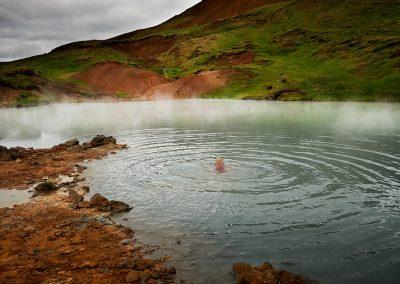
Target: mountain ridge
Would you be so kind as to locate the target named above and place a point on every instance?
(285, 50)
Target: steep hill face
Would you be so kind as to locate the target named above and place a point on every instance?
(209, 11)
(261, 49)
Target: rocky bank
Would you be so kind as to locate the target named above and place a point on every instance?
(59, 237)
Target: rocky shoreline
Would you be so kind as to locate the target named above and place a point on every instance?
(59, 237)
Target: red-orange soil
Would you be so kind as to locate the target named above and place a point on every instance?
(113, 77)
(7, 95)
(57, 237)
(43, 242)
(191, 86)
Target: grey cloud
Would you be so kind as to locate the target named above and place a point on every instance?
(31, 27)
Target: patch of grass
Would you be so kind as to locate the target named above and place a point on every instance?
(63, 65)
(19, 77)
(324, 56)
(122, 95)
(27, 99)
(172, 72)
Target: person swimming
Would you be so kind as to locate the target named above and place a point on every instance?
(220, 165)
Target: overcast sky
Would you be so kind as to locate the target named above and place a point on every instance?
(31, 27)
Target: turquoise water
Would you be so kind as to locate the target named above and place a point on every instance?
(310, 187)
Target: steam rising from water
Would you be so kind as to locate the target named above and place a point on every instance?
(312, 186)
(55, 122)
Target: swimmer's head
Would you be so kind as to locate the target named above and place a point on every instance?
(219, 165)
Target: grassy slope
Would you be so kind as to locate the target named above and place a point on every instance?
(330, 50)
(333, 50)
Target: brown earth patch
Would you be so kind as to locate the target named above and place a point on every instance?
(21, 167)
(57, 237)
(113, 77)
(147, 48)
(42, 242)
(190, 86)
(209, 11)
(240, 58)
(7, 95)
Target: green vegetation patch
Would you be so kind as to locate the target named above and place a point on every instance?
(27, 99)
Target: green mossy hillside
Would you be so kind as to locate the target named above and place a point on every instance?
(330, 50)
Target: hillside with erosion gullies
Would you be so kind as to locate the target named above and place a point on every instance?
(330, 50)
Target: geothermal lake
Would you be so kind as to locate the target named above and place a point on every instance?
(313, 188)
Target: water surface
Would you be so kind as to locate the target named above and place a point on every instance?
(9, 198)
(311, 187)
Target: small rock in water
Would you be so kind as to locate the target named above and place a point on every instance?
(100, 202)
(74, 196)
(172, 270)
(118, 207)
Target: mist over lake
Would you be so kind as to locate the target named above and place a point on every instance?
(312, 187)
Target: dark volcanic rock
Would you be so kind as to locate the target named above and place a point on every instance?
(4, 155)
(13, 153)
(266, 274)
(66, 145)
(101, 140)
(100, 202)
(86, 145)
(46, 187)
(72, 143)
(86, 189)
(18, 152)
(118, 207)
(143, 264)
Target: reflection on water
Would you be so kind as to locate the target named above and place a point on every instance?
(312, 188)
